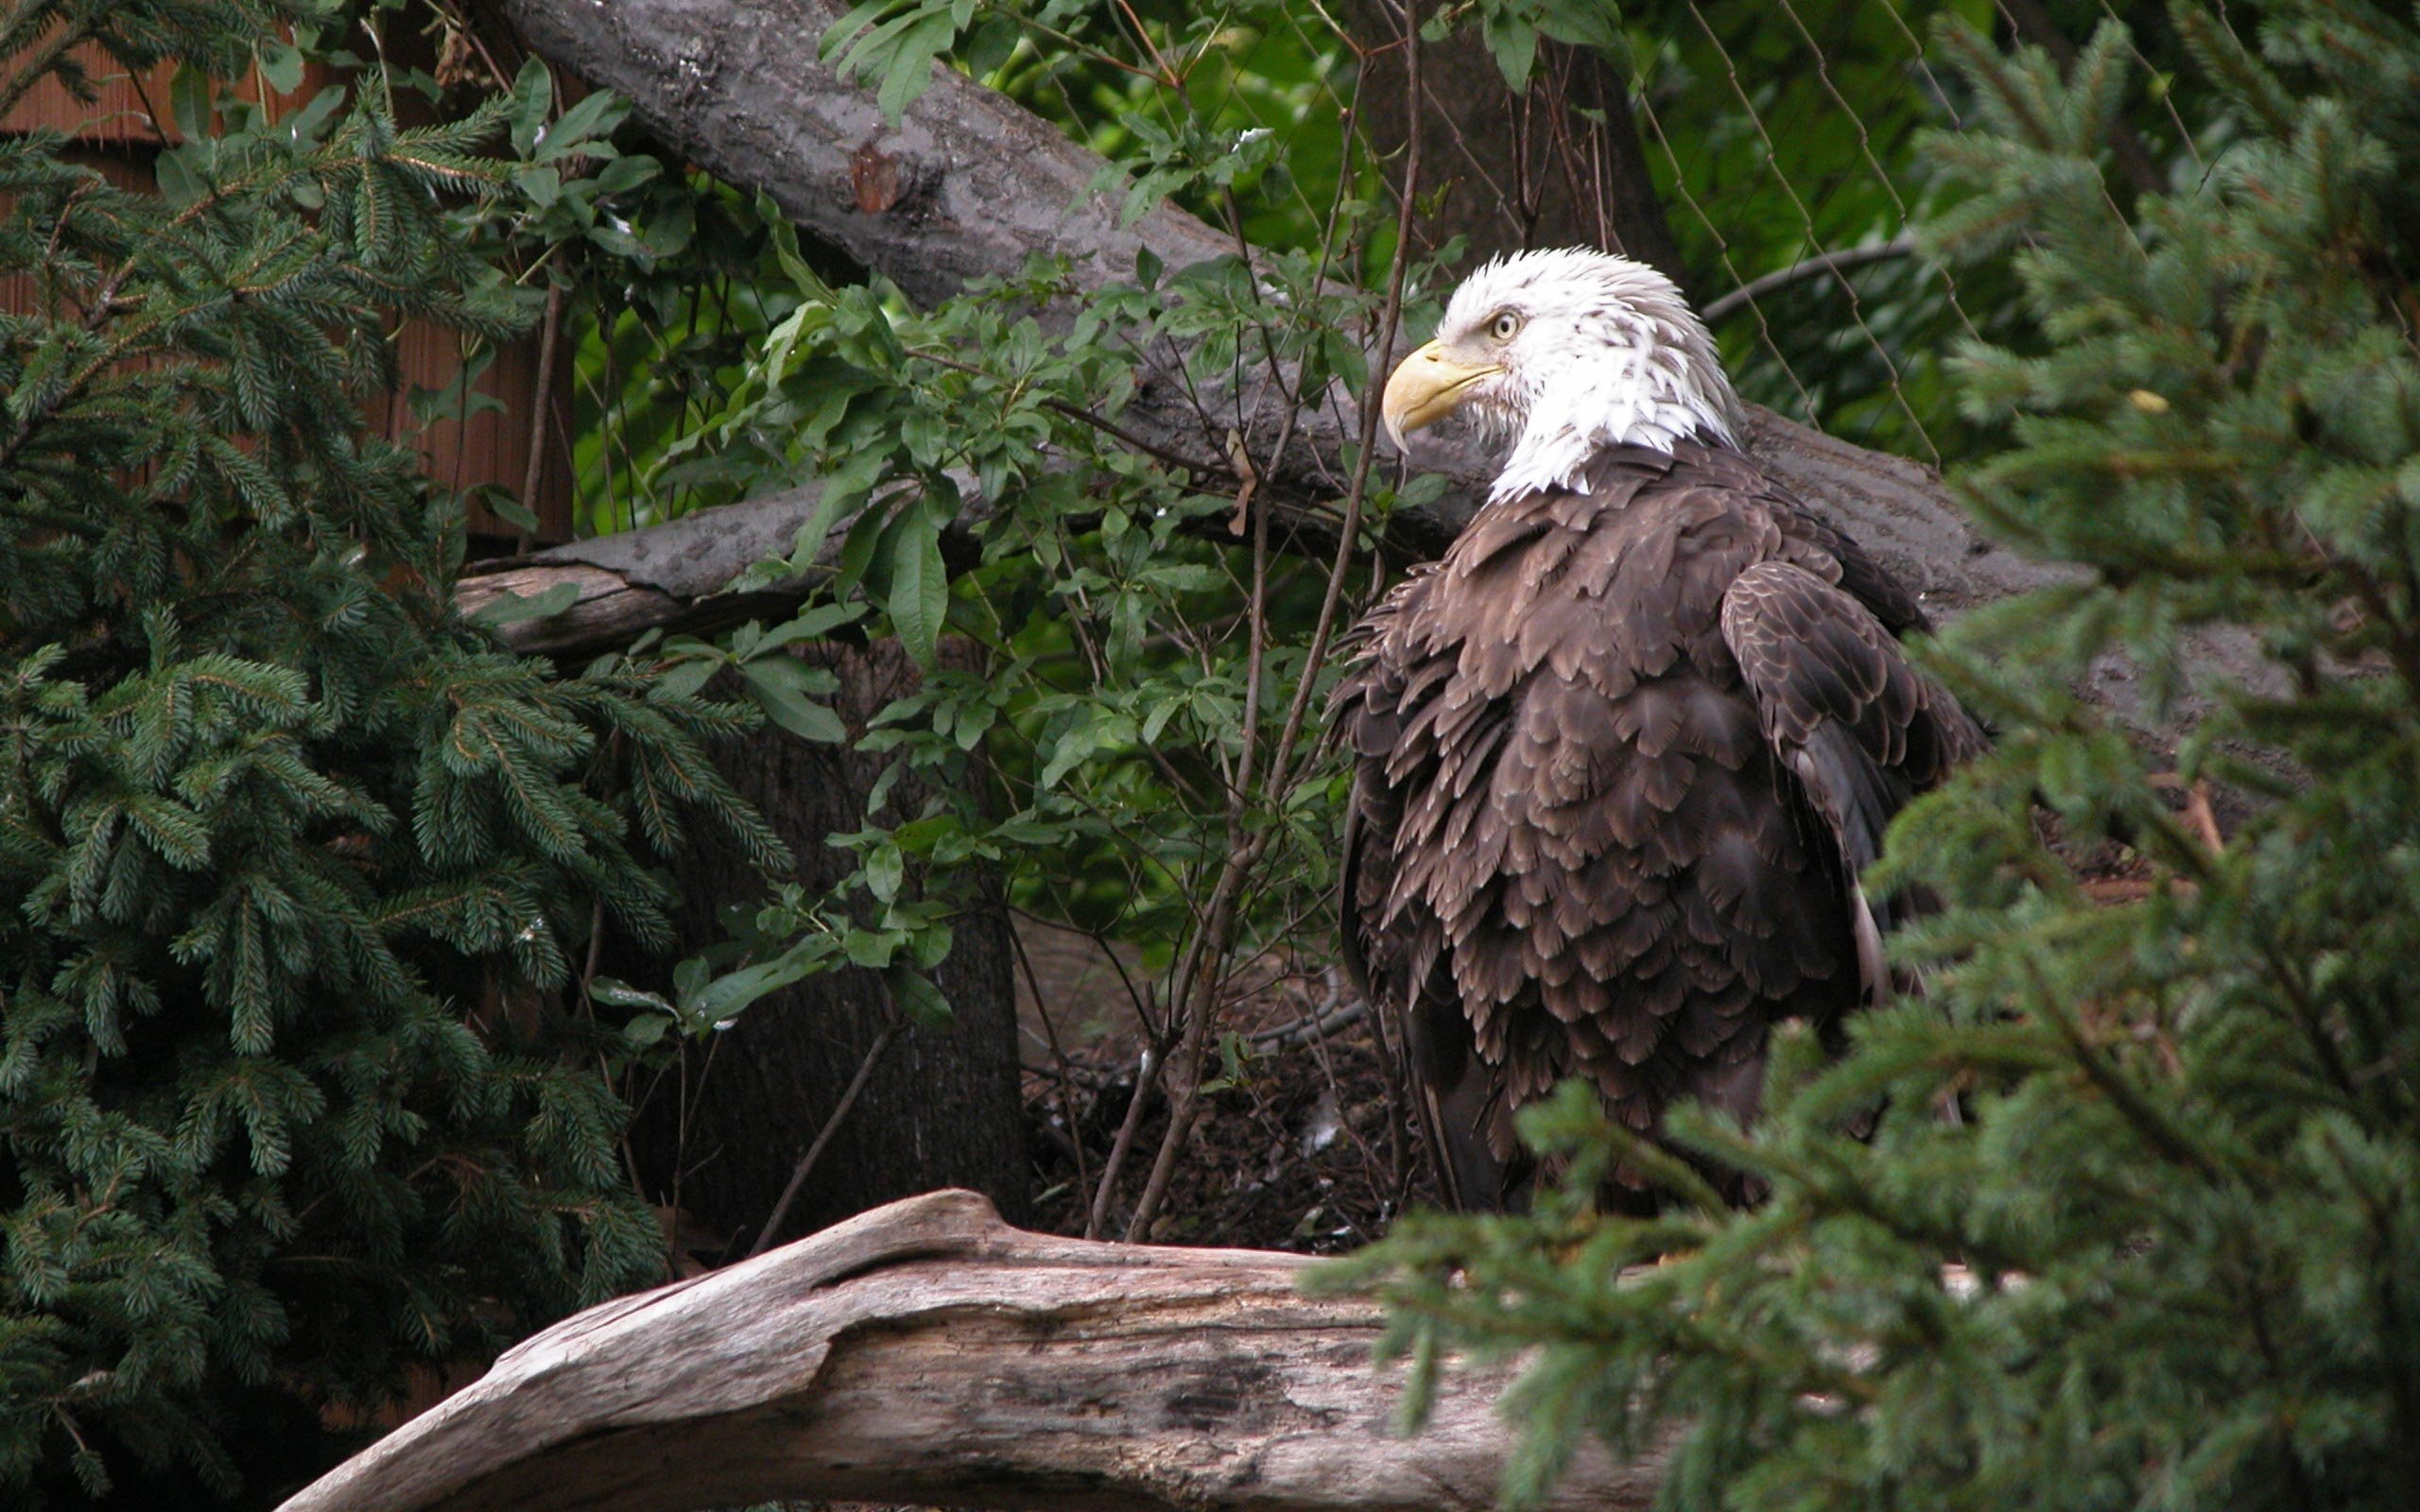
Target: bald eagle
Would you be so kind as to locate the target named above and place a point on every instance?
(1621, 756)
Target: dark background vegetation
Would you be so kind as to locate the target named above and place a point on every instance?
(371, 996)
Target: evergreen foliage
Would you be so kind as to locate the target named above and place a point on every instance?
(2182, 1201)
(298, 863)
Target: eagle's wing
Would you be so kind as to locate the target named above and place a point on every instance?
(1863, 578)
(1861, 729)
(1399, 965)
(1456, 1093)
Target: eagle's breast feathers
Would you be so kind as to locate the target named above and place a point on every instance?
(1620, 755)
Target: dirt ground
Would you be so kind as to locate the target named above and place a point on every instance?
(1300, 1146)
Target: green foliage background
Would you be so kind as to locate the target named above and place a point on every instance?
(298, 864)
(302, 1067)
(1097, 751)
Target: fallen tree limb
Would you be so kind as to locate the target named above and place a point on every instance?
(670, 576)
(673, 576)
(928, 1354)
(969, 185)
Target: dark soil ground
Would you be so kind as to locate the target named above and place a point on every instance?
(1300, 1148)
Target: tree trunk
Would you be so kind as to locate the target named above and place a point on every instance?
(1555, 165)
(939, 1108)
(929, 1355)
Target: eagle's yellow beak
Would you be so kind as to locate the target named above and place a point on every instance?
(1427, 386)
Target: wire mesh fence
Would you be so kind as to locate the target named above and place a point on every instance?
(1770, 153)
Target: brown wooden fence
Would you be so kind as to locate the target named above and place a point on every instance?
(120, 134)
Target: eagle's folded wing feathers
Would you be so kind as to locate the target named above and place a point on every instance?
(1849, 716)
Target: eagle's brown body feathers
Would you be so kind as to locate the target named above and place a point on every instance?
(1620, 757)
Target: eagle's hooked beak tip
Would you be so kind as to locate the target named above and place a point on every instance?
(1425, 387)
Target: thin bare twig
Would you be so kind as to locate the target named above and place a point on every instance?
(1188, 1004)
(822, 1138)
(548, 339)
(1190, 978)
(1058, 1056)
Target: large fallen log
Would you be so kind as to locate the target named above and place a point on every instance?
(969, 185)
(927, 1352)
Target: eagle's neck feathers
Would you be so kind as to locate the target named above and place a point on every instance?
(1638, 372)
(1628, 402)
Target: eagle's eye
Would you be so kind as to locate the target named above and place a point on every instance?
(1504, 325)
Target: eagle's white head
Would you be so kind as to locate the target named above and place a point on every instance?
(1568, 352)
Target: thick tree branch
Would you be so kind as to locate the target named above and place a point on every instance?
(928, 1354)
(969, 185)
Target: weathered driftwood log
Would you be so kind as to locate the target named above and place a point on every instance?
(969, 185)
(925, 1352)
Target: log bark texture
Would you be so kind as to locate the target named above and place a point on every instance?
(938, 1107)
(1557, 163)
(969, 185)
(928, 1354)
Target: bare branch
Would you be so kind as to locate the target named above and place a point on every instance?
(839, 1115)
(969, 185)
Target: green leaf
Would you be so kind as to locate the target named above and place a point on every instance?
(510, 510)
(543, 185)
(919, 999)
(189, 102)
(724, 998)
(533, 95)
(1514, 43)
(870, 946)
(777, 684)
(990, 46)
(579, 128)
(612, 992)
(1592, 24)
(918, 587)
(511, 609)
(815, 621)
(684, 679)
(1345, 359)
(931, 945)
(627, 173)
(910, 71)
(281, 65)
(858, 547)
(886, 871)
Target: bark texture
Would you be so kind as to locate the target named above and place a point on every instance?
(940, 1106)
(968, 187)
(1557, 163)
(929, 1355)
